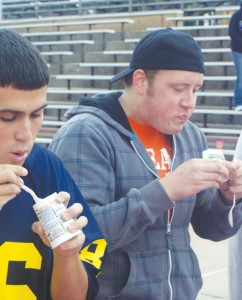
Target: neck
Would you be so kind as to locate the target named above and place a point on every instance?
(129, 102)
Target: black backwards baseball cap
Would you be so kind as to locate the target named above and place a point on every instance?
(165, 49)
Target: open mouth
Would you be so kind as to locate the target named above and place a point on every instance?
(18, 157)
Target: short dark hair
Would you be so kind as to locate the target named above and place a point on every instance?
(21, 64)
(150, 74)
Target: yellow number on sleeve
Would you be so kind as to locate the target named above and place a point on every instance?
(93, 253)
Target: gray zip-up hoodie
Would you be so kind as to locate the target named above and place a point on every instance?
(149, 256)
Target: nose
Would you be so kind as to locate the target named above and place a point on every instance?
(189, 99)
(24, 132)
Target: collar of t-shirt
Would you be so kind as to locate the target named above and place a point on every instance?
(157, 144)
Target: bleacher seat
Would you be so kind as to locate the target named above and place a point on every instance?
(73, 76)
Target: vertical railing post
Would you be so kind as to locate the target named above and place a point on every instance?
(80, 7)
(130, 5)
(1, 10)
(36, 8)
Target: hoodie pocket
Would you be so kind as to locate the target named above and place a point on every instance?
(147, 276)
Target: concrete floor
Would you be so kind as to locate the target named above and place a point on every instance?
(213, 258)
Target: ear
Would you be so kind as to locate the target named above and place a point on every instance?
(140, 81)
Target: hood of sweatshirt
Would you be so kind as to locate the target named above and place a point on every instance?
(108, 103)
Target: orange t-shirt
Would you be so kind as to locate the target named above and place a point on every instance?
(157, 144)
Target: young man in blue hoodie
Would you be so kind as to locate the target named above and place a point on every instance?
(29, 268)
(138, 160)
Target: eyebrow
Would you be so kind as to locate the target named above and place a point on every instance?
(8, 110)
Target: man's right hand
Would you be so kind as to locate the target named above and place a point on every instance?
(195, 175)
(10, 182)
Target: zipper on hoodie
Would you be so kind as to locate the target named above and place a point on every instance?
(169, 217)
(171, 213)
(168, 230)
(141, 158)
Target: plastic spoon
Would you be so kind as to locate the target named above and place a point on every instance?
(230, 216)
(237, 155)
(31, 192)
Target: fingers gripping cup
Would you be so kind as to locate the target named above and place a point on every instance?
(49, 211)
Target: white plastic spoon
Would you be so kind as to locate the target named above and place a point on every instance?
(230, 216)
(31, 192)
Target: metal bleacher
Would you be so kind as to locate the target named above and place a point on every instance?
(78, 73)
(22, 9)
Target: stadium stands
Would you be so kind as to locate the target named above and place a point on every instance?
(109, 39)
(15, 9)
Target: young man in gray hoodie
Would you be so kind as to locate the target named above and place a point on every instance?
(137, 159)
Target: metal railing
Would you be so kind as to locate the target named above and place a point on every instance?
(15, 9)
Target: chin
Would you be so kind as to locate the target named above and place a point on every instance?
(175, 130)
